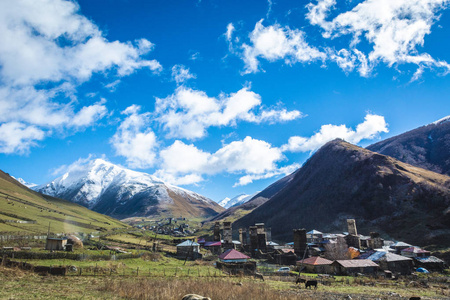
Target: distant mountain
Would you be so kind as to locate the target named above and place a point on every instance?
(27, 184)
(427, 147)
(235, 201)
(26, 211)
(343, 181)
(115, 191)
(237, 211)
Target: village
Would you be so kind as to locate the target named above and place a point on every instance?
(313, 260)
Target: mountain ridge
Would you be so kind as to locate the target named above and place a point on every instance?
(427, 146)
(119, 192)
(343, 181)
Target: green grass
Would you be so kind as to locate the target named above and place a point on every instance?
(147, 265)
(19, 202)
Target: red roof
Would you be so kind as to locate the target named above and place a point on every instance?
(211, 244)
(232, 254)
(415, 250)
(316, 260)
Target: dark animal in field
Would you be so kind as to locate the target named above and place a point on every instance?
(310, 283)
(194, 297)
(414, 298)
(259, 275)
(300, 280)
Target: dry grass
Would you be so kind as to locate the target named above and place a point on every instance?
(217, 289)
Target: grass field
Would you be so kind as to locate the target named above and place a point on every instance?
(20, 203)
(17, 284)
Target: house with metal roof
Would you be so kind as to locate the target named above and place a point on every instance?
(189, 249)
(314, 236)
(214, 247)
(431, 263)
(232, 255)
(393, 262)
(316, 264)
(399, 246)
(415, 252)
(353, 266)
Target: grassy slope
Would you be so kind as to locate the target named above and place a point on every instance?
(19, 202)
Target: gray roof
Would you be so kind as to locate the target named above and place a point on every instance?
(401, 244)
(429, 259)
(390, 257)
(356, 263)
(188, 244)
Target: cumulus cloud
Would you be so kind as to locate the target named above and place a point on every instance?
(394, 28)
(180, 74)
(89, 114)
(188, 113)
(247, 179)
(182, 161)
(395, 31)
(50, 41)
(47, 49)
(370, 128)
(17, 137)
(134, 140)
(274, 43)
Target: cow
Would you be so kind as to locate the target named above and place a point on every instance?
(194, 297)
(310, 283)
(300, 280)
(259, 275)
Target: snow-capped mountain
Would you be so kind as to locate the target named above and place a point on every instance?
(238, 200)
(113, 190)
(27, 184)
(440, 121)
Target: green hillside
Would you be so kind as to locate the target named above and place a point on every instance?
(18, 203)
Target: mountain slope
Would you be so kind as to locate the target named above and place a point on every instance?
(122, 193)
(235, 212)
(427, 147)
(345, 181)
(24, 210)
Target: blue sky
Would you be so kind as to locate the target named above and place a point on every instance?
(220, 97)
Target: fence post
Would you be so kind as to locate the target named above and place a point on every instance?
(137, 271)
(80, 271)
(198, 269)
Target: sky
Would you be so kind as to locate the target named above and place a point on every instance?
(219, 97)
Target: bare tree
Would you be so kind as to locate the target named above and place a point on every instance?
(338, 250)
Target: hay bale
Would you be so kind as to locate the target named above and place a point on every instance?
(75, 241)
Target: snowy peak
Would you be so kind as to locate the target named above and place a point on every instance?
(115, 190)
(440, 121)
(27, 184)
(238, 200)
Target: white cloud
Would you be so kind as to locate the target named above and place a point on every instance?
(247, 179)
(89, 114)
(180, 74)
(188, 113)
(50, 41)
(249, 156)
(18, 138)
(274, 43)
(47, 49)
(229, 33)
(394, 28)
(134, 140)
(370, 128)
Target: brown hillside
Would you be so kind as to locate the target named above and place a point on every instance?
(345, 181)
